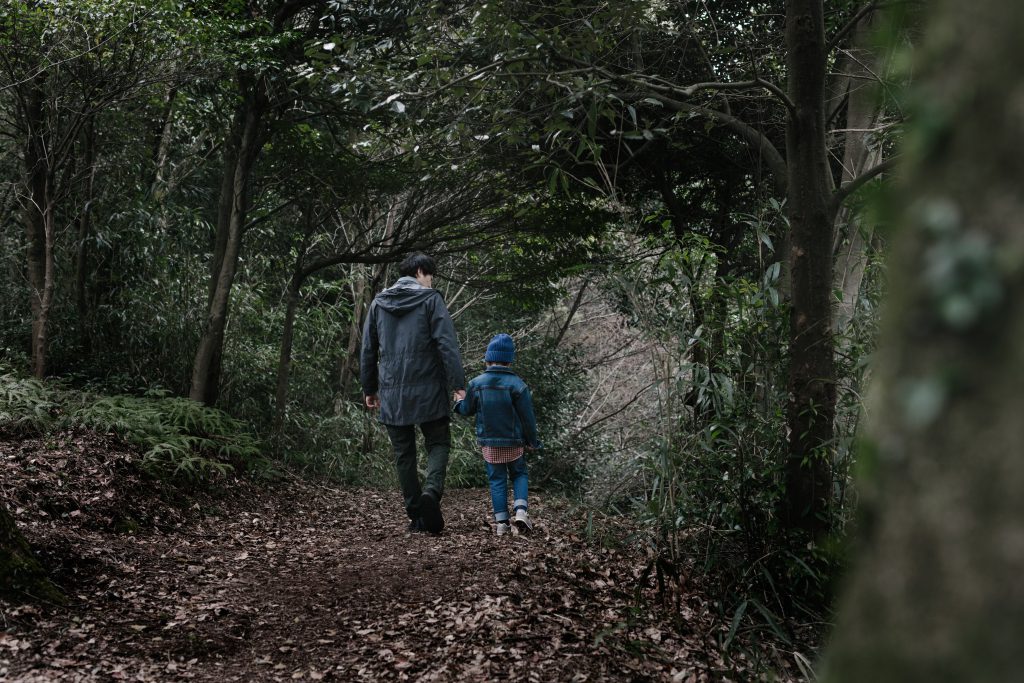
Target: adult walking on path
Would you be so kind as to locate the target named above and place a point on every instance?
(409, 361)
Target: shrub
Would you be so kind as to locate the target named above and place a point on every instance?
(181, 437)
(26, 403)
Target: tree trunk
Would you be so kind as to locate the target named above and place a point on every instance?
(937, 595)
(284, 363)
(39, 229)
(161, 150)
(860, 153)
(21, 575)
(84, 237)
(362, 295)
(812, 368)
(349, 365)
(207, 364)
(226, 198)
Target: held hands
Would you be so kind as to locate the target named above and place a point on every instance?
(373, 401)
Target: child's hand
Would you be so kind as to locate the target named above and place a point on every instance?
(458, 395)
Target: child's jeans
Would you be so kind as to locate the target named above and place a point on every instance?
(498, 476)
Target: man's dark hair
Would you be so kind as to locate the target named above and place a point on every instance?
(415, 262)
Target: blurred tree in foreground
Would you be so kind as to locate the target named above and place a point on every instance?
(936, 596)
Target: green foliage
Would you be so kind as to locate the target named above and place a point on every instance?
(556, 377)
(465, 462)
(179, 438)
(348, 446)
(709, 484)
(26, 403)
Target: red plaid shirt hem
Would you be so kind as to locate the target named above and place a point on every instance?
(497, 455)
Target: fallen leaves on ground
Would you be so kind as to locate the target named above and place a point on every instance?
(307, 581)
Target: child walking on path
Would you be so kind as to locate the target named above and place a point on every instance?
(505, 427)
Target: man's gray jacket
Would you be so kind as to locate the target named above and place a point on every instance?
(410, 356)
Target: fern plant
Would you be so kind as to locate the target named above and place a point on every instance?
(181, 437)
(26, 403)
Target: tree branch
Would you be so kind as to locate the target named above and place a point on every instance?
(849, 26)
(612, 414)
(847, 189)
(755, 84)
(753, 137)
(572, 312)
(289, 9)
(267, 216)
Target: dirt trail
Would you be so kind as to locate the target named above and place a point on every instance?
(301, 581)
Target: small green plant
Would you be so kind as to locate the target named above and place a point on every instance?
(26, 403)
(348, 446)
(181, 437)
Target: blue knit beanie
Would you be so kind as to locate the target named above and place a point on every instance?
(501, 349)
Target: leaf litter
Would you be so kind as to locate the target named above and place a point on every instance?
(300, 580)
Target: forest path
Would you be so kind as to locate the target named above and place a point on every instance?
(303, 581)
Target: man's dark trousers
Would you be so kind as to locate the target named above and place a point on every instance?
(438, 440)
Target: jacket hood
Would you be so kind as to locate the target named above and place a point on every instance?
(403, 296)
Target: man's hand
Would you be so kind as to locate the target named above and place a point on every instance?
(458, 395)
(372, 402)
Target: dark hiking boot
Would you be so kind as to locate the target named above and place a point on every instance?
(416, 526)
(430, 511)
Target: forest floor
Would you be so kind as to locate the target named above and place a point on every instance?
(299, 580)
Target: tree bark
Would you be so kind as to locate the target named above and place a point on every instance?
(284, 363)
(860, 153)
(84, 237)
(21, 575)
(363, 292)
(812, 367)
(39, 228)
(937, 594)
(349, 365)
(226, 198)
(231, 224)
(161, 150)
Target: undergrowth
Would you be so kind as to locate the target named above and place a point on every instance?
(178, 437)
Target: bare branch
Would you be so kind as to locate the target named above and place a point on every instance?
(267, 216)
(612, 414)
(847, 189)
(755, 84)
(753, 137)
(849, 26)
(572, 313)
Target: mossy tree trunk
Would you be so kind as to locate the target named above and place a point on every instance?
(21, 575)
(938, 593)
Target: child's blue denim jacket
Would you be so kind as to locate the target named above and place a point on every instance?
(503, 408)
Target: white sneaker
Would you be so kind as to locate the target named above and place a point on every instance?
(522, 521)
(502, 528)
